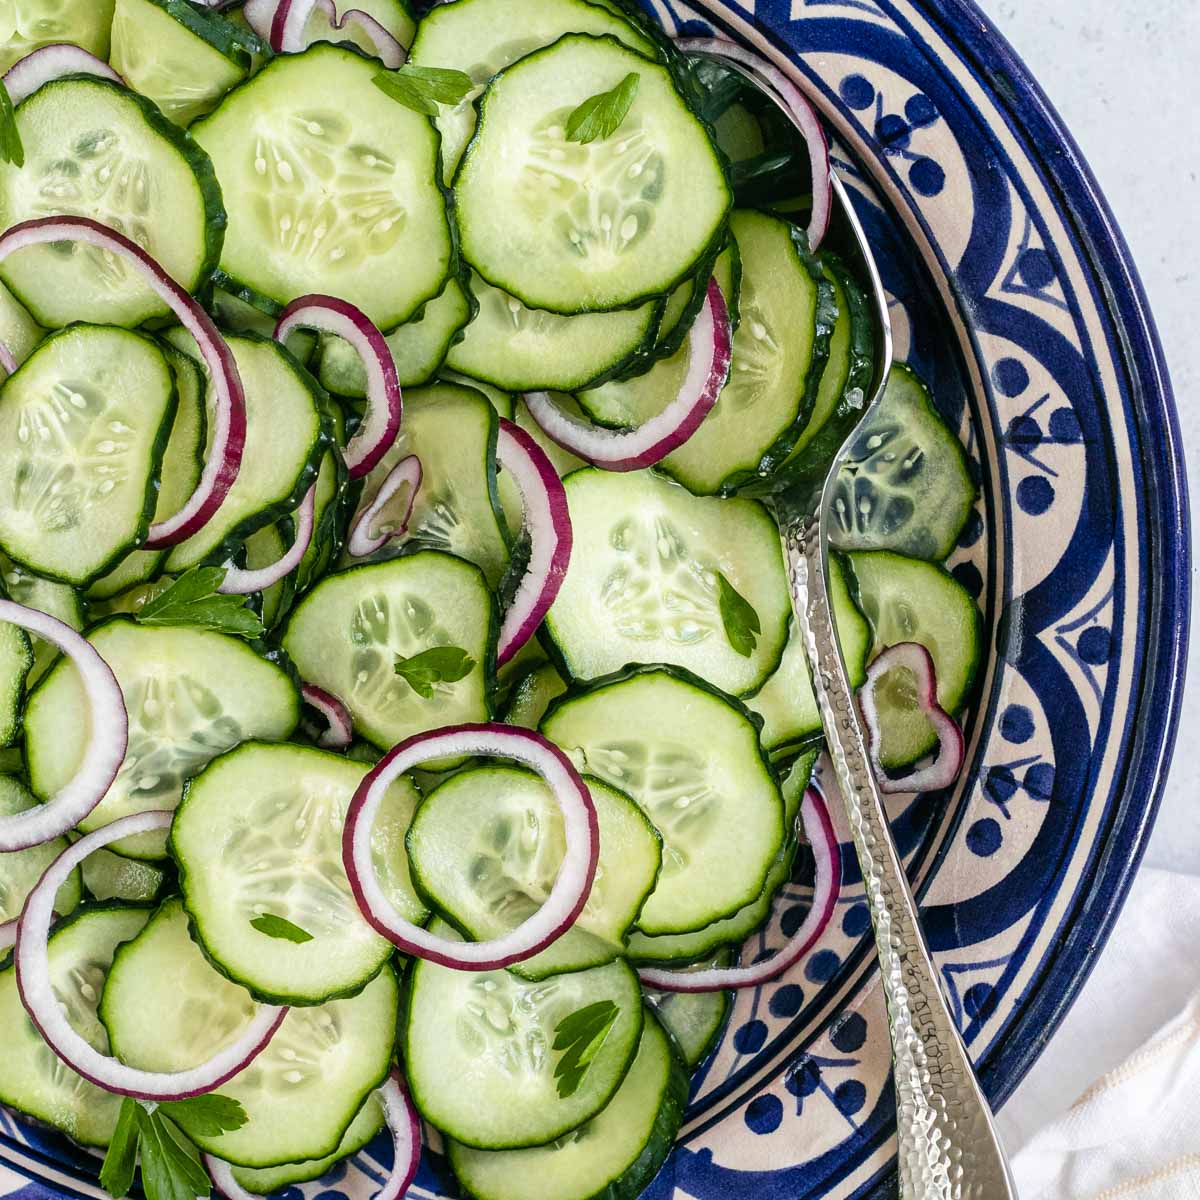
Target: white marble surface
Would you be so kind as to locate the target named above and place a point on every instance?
(1126, 77)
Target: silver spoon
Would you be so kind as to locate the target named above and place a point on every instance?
(949, 1148)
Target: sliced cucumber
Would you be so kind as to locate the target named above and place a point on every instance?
(528, 701)
(263, 548)
(336, 184)
(486, 846)
(83, 426)
(166, 1009)
(47, 596)
(580, 228)
(33, 1079)
(16, 660)
(786, 702)
(694, 1019)
(21, 869)
(642, 584)
(690, 757)
(27, 25)
(346, 634)
(131, 601)
(906, 600)
(191, 694)
(418, 347)
(613, 1157)
(182, 59)
(563, 461)
(505, 403)
(393, 15)
(452, 430)
(907, 485)
(482, 37)
(286, 438)
(96, 149)
(238, 316)
(18, 330)
(109, 876)
(479, 1049)
(523, 349)
(684, 303)
(259, 833)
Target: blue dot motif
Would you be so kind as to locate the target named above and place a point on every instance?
(850, 1097)
(1000, 785)
(850, 1033)
(803, 1079)
(822, 966)
(972, 531)
(787, 1000)
(1035, 494)
(1010, 377)
(1064, 426)
(1024, 431)
(920, 111)
(792, 919)
(764, 1114)
(1039, 781)
(750, 1038)
(892, 131)
(979, 1001)
(967, 573)
(857, 92)
(927, 177)
(1037, 269)
(984, 837)
(1016, 724)
(1095, 646)
(857, 920)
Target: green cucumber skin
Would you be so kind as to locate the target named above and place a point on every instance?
(212, 29)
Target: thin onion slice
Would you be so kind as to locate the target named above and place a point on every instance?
(49, 62)
(368, 535)
(241, 581)
(548, 523)
(575, 876)
(290, 20)
(229, 399)
(8, 360)
(259, 16)
(818, 829)
(339, 728)
(796, 105)
(8, 935)
(709, 348)
(944, 769)
(108, 736)
(385, 405)
(404, 1125)
(37, 990)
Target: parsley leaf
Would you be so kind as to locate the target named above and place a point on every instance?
(600, 116)
(741, 622)
(425, 89)
(206, 1116)
(280, 927)
(116, 1175)
(171, 1168)
(438, 664)
(580, 1036)
(11, 149)
(193, 599)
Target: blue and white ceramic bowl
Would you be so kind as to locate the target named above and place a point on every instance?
(1013, 294)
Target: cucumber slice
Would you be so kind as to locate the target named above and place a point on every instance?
(269, 1180)
(347, 632)
(907, 486)
(26, 26)
(182, 59)
(329, 521)
(418, 347)
(906, 600)
(482, 37)
(129, 602)
(336, 184)
(21, 869)
(109, 876)
(18, 330)
(642, 583)
(694, 1019)
(779, 355)
(393, 15)
(523, 349)
(505, 403)
(563, 461)
(486, 846)
(452, 430)
(690, 757)
(16, 660)
(786, 702)
(83, 426)
(46, 595)
(235, 314)
(286, 438)
(580, 228)
(529, 700)
(166, 1009)
(259, 833)
(613, 1157)
(479, 1049)
(263, 548)
(33, 1079)
(684, 303)
(182, 464)
(191, 694)
(95, 149)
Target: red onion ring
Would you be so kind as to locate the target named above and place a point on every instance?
(8, 935)
(240, 581)
(259, 16)
(709, 341)
(365, 537)
(8, 360)
(107, 742)
(548, 521)
(402, 1121)
(944, 769)
(789, 97)
(42, 1005)
(339, 730)
(575, 876)
(818, 828)
(53, 61)
(327, 314)
(291, 16)
(229, 399)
